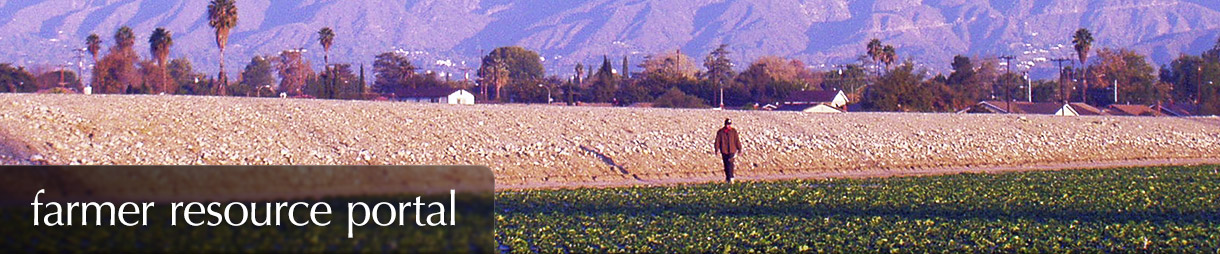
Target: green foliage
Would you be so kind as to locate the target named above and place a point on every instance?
(294, 72)
(338, 83)
(675, 98)
(510, 66)
(900, 90)
(16, 80)
(256, 79)
(392, 72)
(1082, 41)
(604, 85)
(187, 80)
(1169, 209)
(851, 79)
(719, 66)
(93, 44)
(159, 44)
(52, 79)
(326, 37)
(124, 38)
(117, 72)
(771, 78)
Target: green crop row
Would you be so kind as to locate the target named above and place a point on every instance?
(1123, 210)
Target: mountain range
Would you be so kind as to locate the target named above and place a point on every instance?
(450, 35)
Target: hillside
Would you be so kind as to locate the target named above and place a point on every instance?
(820, 32)
(541, 145)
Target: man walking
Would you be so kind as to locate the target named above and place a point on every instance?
(728, 145)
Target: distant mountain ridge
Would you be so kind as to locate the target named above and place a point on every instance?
(822, 33)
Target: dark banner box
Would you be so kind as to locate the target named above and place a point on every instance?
(226, 209)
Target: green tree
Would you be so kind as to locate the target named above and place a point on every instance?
(1082, 41)
(888, 56)
(851, 79)
(771, 78)
(675, 98)
(605, 83)
(964, 83)
(159, 44)
(1135, 76)
(719, 68)
(326, 37)
(117, 72)
(626, 70)
(294, 72)
(519, 66)
(875, 50)
(900, 90)
(93, 44)
(187, 80)
(258, 78)
(222, 17)
(392, 71)
(16, 80)
(337, 83)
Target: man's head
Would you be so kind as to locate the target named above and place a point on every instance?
(728, 122)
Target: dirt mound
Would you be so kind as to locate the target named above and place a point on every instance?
(527, 145)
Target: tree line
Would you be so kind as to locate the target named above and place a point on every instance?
(878, 81)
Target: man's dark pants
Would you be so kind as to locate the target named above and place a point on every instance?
(728, 166)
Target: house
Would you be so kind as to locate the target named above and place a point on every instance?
(1035, 108)
(812, 101)
(1086, 109)
(1133, 110)
(1021, 107)
(443, 95)
(1178, 109)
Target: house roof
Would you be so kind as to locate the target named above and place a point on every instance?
(1179, 109)
(1021, 107)
(1086, 109)
(800, 107)
(1133, 110)
(811, 96)
(429, 92)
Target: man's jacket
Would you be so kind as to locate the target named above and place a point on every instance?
(727, 141)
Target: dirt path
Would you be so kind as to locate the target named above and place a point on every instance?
(748, 176)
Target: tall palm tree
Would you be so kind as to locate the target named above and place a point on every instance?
(874, 50)
(326, 37)
(222, 16)
(160, 42)
(124, 38)
(93, 44)
(1083, 41)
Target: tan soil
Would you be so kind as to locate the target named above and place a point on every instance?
(530, 146)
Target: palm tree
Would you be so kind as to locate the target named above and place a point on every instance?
(160, 42)
(124, 38)
(222, 16)
(1083, 41)
(874, 50)
(93, 44)
(888, 56)
(326, 37)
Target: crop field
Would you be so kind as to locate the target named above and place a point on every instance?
(1130, 209)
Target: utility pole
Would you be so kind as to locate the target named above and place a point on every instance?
(1008, 74)
(1063, 95)
(1115, 90)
